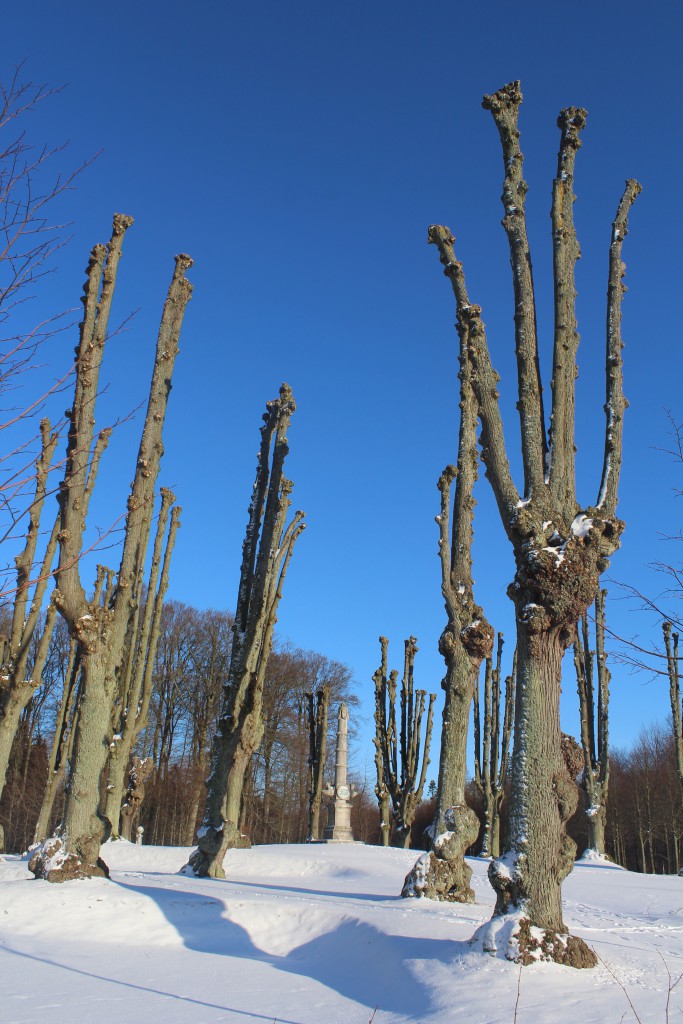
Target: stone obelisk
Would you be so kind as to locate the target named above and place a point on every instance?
(338, 828)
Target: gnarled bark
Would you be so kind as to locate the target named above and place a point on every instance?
(465, 642)
(266, 552)
(100, 627)
(560, 547)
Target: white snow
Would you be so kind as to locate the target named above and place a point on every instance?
(581, 526)
(317, 933)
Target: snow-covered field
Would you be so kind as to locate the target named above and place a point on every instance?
(317, 935)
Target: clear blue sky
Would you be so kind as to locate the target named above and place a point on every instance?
(298, 151)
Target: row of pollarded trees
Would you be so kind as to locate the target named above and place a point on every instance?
(191, 662)
(114, 625)
(560, 545)
(109, 634)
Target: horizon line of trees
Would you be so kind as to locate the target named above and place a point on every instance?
(644, 816)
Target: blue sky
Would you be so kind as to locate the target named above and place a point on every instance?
(298, 151)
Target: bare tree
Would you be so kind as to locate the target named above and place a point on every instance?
(20, 673)
(266, 552)
(382, 685)
(560, 547)
(29, 239)
(318, 706)
(465, 642)
(594, 711)
(672, 661)
(400, 741)
(30, 236)
(491, 751)
(138, 775)
(100, 627)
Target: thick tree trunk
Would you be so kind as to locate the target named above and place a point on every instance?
(113, 796)
(82, 823)
(596, 829)
(459, 686)
(494, 849)
(230, 757)
(384, 818)
(266, 553)
(100, 626)
(543, 796)
(528, 880)
(443, 873)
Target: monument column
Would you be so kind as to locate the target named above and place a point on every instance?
(338, 829)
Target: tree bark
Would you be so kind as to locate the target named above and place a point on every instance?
(266, 553)
(317, 724)
(465, 642)
(100, 627)
(560, 548)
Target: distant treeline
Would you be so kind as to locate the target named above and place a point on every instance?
(645, 812)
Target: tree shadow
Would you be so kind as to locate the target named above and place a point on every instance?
(354, 958)
(316, 892)
(142, 988)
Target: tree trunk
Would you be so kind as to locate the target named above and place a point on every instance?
(266, 553)
(100, 626)
(494, 849)
(82, 823)
(596, 823)
(10, 712)
(543, 796)
(443, 873)
(384, 818)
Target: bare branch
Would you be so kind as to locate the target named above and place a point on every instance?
(504, 106)
(484, 379)
(566, 252)
(616, 403)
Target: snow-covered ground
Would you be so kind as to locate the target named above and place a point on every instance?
(317, 935)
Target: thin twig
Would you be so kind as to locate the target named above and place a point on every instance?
(621, 986)
(519, 986)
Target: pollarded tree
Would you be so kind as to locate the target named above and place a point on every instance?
(381, 788)
(100, 626)
(21, 665)
(466, 641)
(399, 741)
(560, 546)
(318, 706)
(672, 663)
(594, 711)
(492, 746)
(266, 552)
